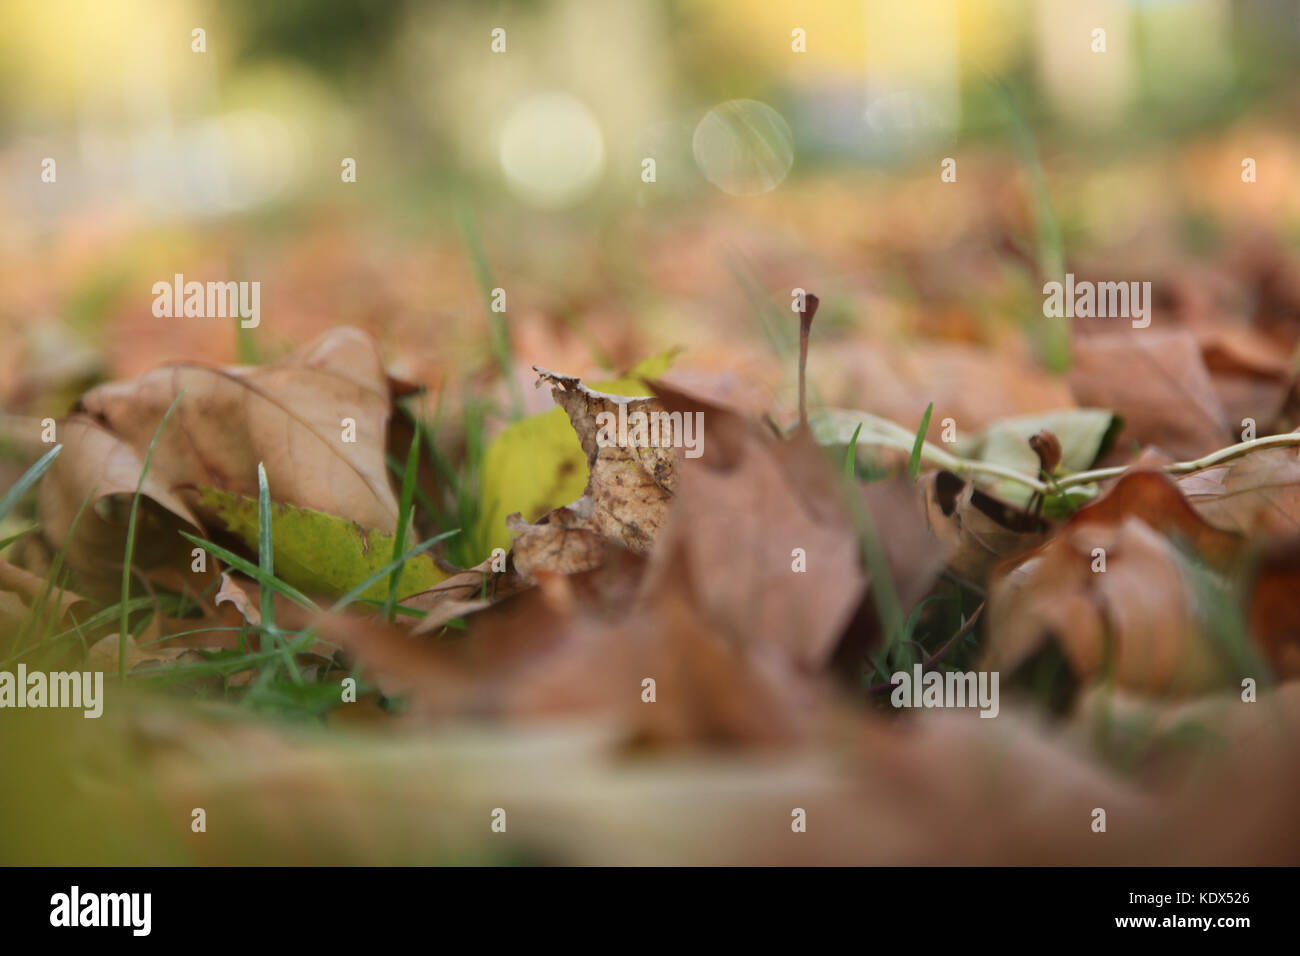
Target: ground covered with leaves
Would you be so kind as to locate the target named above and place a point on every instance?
(355, 591)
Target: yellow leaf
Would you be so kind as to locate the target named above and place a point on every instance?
(536, 464)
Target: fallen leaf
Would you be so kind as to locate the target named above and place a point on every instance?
(760, 526)
(1160, 502)
(1251, 379)
(233, 593)
(99, 471)
(562, 542)
(631, 476)
(979, 530)
(629, 485)
(573, 648)
(1273, 609)
(1158, 383)
(292, 415)
(1082, 434)
(1258, 493)
(103, 655)
(464, 592)
(316, 552)
(1114, 594)
(31, 589)
(974, 386)
(535, 465)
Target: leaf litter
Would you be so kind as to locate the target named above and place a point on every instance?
(745, 601)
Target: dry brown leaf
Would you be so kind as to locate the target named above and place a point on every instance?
(1250, 377)
(979, 530)
(1273, 607)
(289, 415)
(749, 514)
(234, 593)
(631, 478)
(710, 688)
(562, 541)
(238, 602)
(1158, 382)
(30, 589)
(1258, 493)
(1149, 736)
(464, 592)
(20, 594)
(103, 654)
(628, 486)
(975, 386)
(1137, 618)
(1158, 501)
(101, 471)
(574, 647)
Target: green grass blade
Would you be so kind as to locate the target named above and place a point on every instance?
(223, 665)
(253, 571)
(383, 572)
(888, 603)
(423, 500)
(397, 609)
(29, 478)
(403, 521)
(55, 574)
(5, 542)
(851, 455)
(502, 350)
(266, 563)
(129, 556)
(265, 552)
(914, 464)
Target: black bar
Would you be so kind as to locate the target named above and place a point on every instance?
(338, 905)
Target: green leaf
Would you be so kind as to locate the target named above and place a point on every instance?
(320, 552)
(1085, 435)
(364, 586)
(536, 464)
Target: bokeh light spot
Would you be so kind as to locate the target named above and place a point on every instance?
(551, 149)
(744, 147)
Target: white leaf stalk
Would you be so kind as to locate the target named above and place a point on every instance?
(887, 434)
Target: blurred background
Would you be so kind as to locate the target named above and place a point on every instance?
(525, 170)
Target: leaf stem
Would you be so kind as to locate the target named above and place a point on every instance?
(806, 314)
(1198, 464)
(881, 431)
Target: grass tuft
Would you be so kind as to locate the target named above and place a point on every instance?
(129, 556)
